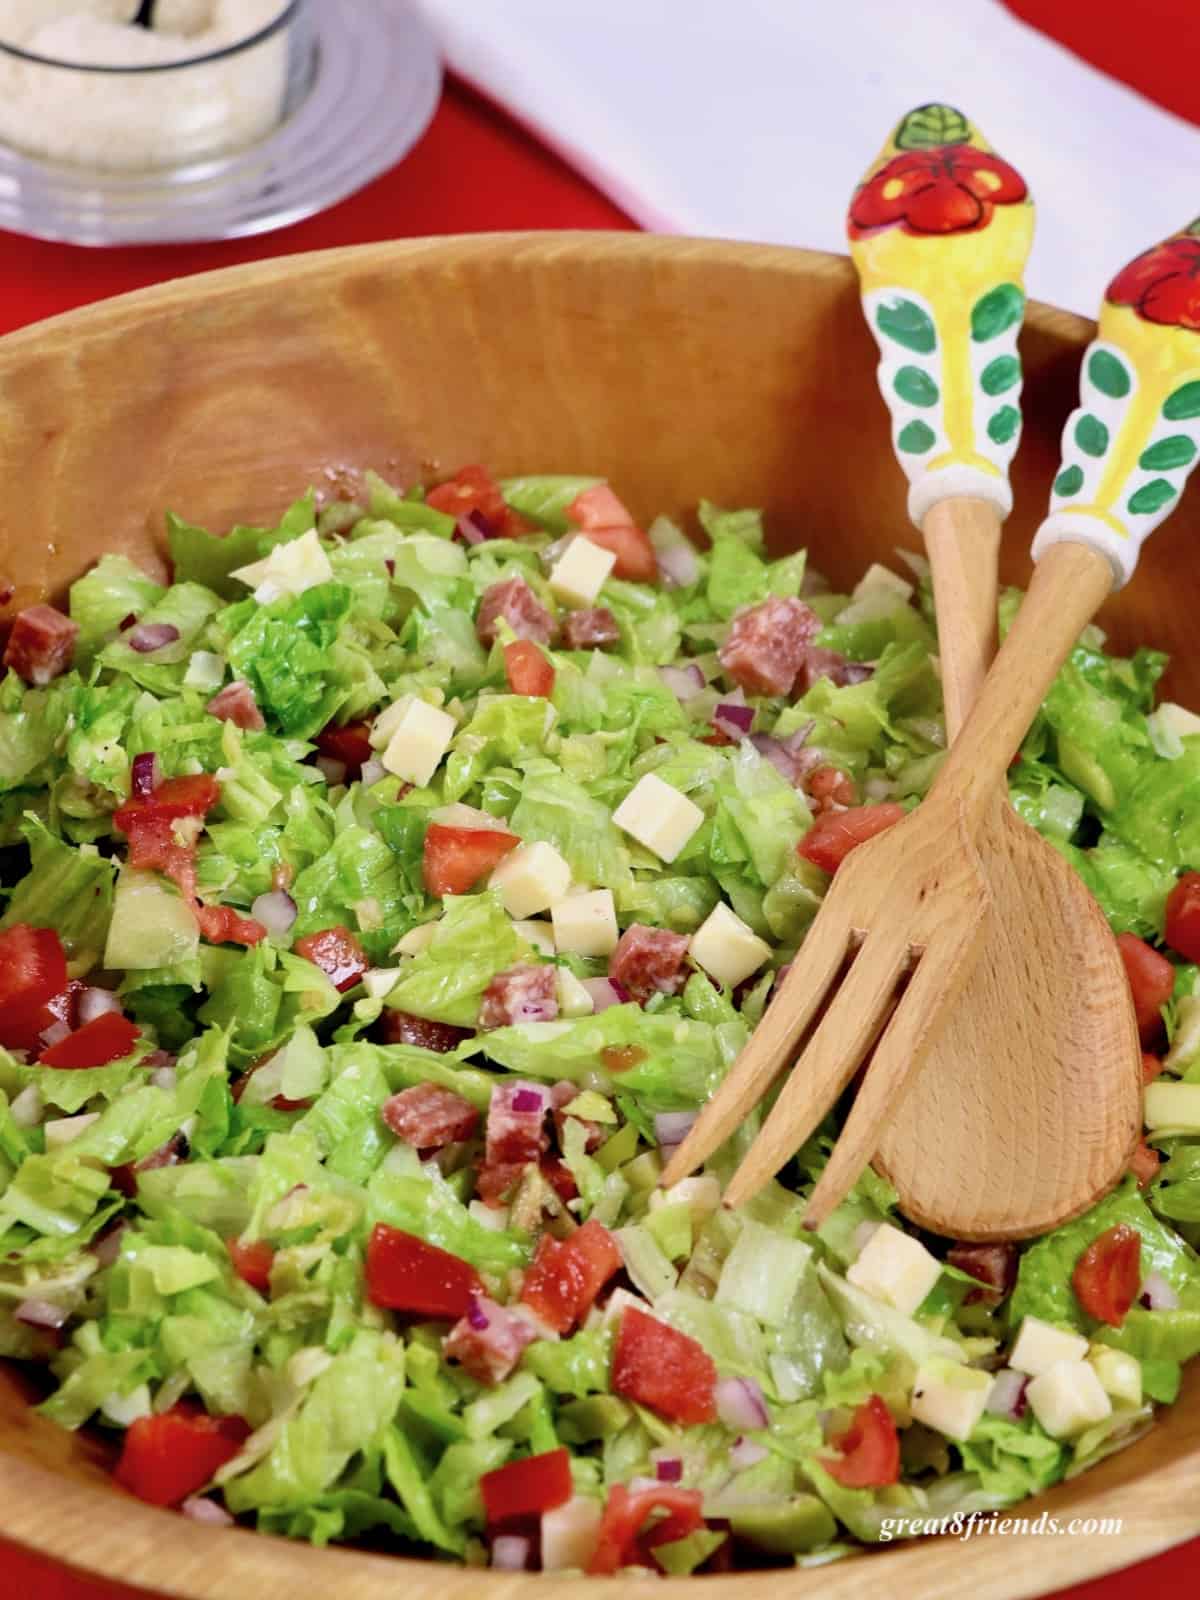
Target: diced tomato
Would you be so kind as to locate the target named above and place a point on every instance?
(349, 743)
(1183, 917)
(406, 1274)
(154, 847)
(474, 489)
(193, 795)
(608, 523)
(252, 1262)
(870, 1449)
(527, 1487)
(33, 970)
(167, 1457)
(1151, 1066)
(1151, 980)
(664, 1369)
(835, 833)
(456, 858)
(526, 668)
(338, 954)
(109, 1037)
(1108, 1273)
(223, 925)
(627, 1537)
(1144, 1164)
(599, 507)
(565, 1276)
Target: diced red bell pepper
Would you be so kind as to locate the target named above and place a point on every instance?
(624, 1538)
(252, 1262)
(474, 489)
(565, 1276)
(870, 1448)
(527, 1487)
(664, 1369)
(527, 669)
(166, 1458)
(406, 1274)
(1151, 981)
(835, 833)
(606, 522)
(456, 858)
(338, 954)
(109, 1037)
(33, 970)
(349, 743)
(224, 925)
(1108, 1274)
(1183, 917)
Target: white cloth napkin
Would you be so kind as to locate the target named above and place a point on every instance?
(753, 119)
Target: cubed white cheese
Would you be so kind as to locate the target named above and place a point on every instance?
(61, 1130)
(658, 816)
(531, 878)
(1067, 1398)
(380, 981)
(895, 1268)
(388, 720)
(701, 1195)
(205, 671)
(416, 940)
(1171, 1105)
(569, 1534)
(289, 569)
(950, 1397)
(579, 573)
(585, 924)
(573, 998)
(420, 739)
(539, 934)
(880, 577)
(1040, 1346)
(1120, 1374)
(726, 948)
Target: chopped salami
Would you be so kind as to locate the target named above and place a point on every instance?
(41, 645)
(429, 1117)
(594, 629)
(516, 1123)
(525, 993)
(649, 961)
(497, 1181)
(767, 644)
(516, 602)
(487, 1342)
(236, 703)
(401, 1027)
(832, 664)
(993, 1264)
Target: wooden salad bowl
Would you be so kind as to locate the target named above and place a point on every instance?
(681, 368)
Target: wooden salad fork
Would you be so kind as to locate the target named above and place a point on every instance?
(911, 903)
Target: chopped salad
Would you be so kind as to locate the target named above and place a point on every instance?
(383, 896)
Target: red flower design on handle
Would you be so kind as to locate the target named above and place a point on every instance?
(1163, 283)
(952, 188)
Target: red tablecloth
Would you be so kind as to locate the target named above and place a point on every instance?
(475, 171)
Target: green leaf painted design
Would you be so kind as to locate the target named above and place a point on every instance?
(926, 127)
(1183, 404)
(1091, 435)
(1109, 375)
(1003, 424)
(1000, 375)
(1069, 481)
(1151, 496)
(915, 386)
(907, 324)
(1000, 309)
(1177, 450)
(915, 438)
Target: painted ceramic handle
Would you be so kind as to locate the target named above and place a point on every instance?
(1128, 449)
(940, 230)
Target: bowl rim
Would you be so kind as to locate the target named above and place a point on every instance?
(184, 1559)
(150, 68)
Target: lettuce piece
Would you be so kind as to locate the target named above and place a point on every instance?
(284, 651)
(1013, 1459)
(474, 941)
(559, 811)
(403, 1066)
(680, 1557)
(880, 1328)
(215, 1194)
(53, 1194)
(762, 1273)
(66, 888)
(98, 1375)
(809, 1348)
(732, 1337)
(1132, 891)
(544, 498)
(358, 884)
(30, 723)
(1156, 1335)
(201, 557)
(185, 606)
(768, 813)
(427, 1207)
(578, 1366)
(101, 600)
(349, 1107)
(649, 621)
(405, 511)
(342, 1515)
(1155, 809)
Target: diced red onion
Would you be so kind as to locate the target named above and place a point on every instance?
(476, 1315)
(604, 993)
(733, 720)
(740, 1404)
(1157, 1294)
(685, 683)
(200, 1509)
(107, 1247)
(1006, 1397)
(510, 1553)
(145, 775)
(163, 1078)
(673, 1127)
(373, 771)
(678, 563)
(276, 911)
(747, 1453)
(40, 1314)
(54, 1034)
(475, 527)
(797, 741)
(334, 772)
(151, 636)
(95, 1003)
(529, 1100)
(775, 754)
(668, 1469)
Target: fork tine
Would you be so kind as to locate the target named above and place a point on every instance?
(939, 974)
(792, 1008)
(829, 1062)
